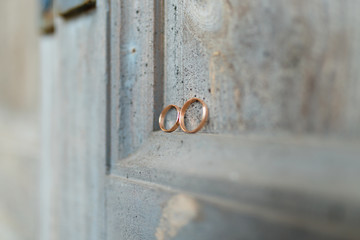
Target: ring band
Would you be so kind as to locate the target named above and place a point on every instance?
(162, 118)
(205, 115)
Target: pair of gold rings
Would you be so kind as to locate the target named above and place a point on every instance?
(181, 116)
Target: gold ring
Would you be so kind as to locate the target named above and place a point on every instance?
(205, 115)
(162, 118)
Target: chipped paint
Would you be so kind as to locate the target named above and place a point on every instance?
(212, 72)
(178, 212)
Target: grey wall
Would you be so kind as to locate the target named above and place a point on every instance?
(278, 158)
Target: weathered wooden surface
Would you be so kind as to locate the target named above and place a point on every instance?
(166, 159)
(132, 74)
(74, 154)
(264, 65)
(146, 211)
(306, 185)
(267, 67)
(280, 69)
(49, 121)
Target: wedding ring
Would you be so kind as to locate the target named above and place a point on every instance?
(205, 114)
(162, 118)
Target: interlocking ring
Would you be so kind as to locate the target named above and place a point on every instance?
(205, 114)
(162, 118)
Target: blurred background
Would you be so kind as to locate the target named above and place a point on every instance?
(19, 119)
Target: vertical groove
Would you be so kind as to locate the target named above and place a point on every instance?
(108, 122)
(158, 61)
(108, 91)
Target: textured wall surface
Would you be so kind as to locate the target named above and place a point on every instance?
(74, 77)
(266, 66)
(281, 84)
(278, 158)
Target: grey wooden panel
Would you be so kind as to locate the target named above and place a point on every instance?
(77, 119)
(49, 161)
(259, 58)
(138, 210)
(132, 74)
(304, 160)
(264, 65)
(308, 183)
